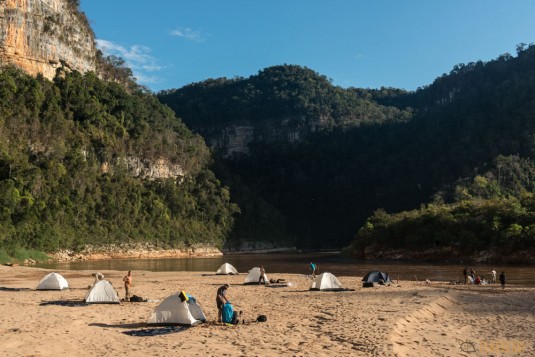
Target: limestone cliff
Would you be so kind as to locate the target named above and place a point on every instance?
(40, 36)
(235, 138)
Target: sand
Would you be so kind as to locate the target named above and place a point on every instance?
(407, 319)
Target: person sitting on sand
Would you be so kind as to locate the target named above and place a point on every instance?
(477, 281)
(236, 317)
(98, 276)
(473, 274)
(127, 285)
(221, 299)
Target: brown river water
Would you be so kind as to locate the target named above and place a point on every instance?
(298, 263)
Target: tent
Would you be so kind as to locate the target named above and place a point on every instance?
(226, 269)
(326, 282)
(254, 275)
(53, 281)
(376, 277)
(177, 309)
(102, 292)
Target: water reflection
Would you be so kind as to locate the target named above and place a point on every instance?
(298, 264)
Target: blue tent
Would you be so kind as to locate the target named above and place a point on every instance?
(377, 277)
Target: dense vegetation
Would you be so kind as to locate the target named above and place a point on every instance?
(284, 189)
(277, 94)
(494, 210)
(374, 149)
(66, 177)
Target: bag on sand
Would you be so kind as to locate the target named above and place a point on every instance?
(261, 318)
(228, 313)
(136, 298)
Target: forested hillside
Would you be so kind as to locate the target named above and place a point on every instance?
(387, 149)
(286, 183)
(78, 164)
(277, 94)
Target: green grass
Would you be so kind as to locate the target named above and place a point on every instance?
(19, 255)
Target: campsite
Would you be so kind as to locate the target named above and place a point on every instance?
(404, 318)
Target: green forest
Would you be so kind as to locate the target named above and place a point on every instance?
(449, 163)
(65, 177)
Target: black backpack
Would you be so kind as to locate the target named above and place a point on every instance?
(261, 318)
(136, 298)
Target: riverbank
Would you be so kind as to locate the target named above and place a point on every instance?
(134, 251)
(449, 255)
(407, 319)
(147, 250)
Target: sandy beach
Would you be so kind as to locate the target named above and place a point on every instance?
(406, 319)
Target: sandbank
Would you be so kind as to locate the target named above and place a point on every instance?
(406, 319)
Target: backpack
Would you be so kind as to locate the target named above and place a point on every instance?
(228, 313)
(261, 318)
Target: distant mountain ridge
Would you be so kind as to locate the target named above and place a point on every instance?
(281, 103)
(362, 149)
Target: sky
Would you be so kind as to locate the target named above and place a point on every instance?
(356, 43)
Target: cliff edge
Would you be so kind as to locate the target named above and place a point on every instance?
(40, 36)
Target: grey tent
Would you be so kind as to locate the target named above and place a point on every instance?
(102, 292)
(177, 309)
(376, 277)
(326, 282)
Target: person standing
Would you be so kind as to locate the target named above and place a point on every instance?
(465, 273)
(493, 272)
(313, 269)
(221, 299)
(262, 277)
(502, 279)
(127, 285)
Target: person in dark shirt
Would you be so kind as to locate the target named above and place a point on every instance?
(221, 299)
(502, 279)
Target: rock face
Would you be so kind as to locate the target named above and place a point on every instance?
(146, 169)
(235, 138)
(40, 36)
(135, 250)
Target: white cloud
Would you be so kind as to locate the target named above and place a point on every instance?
(188, 34)
(137, 58)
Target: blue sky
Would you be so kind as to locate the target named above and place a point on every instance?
(356, 43)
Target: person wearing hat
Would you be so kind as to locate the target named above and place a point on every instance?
(221, 299)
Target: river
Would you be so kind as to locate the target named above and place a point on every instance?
(298, 264)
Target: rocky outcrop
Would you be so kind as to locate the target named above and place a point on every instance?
(235, 138)
(134, 250)
(146, 169)
(40, 36)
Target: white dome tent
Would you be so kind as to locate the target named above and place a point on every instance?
(326, 282)
(102, 292)
(177, 309)
(53, 281)
(226, 269)
(254, 276)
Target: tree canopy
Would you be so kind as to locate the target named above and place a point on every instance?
(65, 176)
